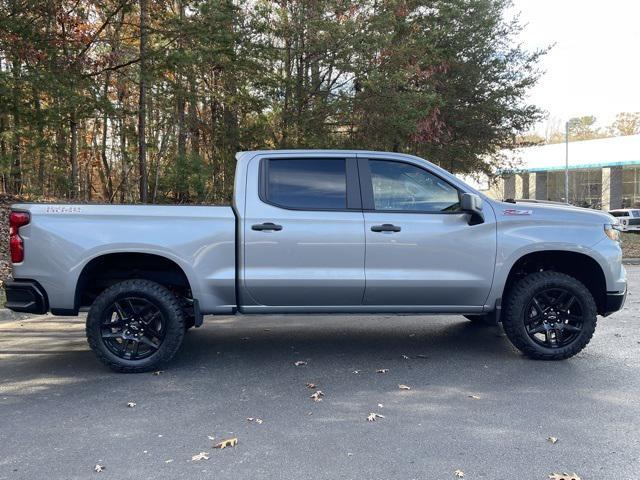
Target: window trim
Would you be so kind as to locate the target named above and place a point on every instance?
(366, 186)
(353, 194)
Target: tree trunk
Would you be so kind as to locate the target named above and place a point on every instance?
(182, 146)
(194, 130)
(181, 193)
(73, 124)
(142, 102)
(16, 159)
(105, 171)
(3, 149)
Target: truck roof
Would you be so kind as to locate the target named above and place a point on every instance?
(251, 153)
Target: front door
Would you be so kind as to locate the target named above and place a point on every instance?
(304, 233)
(421, 250)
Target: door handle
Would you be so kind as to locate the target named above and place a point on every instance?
(385, 227)
(266, 226)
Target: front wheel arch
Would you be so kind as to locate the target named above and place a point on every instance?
(580, 266)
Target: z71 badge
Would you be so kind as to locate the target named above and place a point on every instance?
(515, 211)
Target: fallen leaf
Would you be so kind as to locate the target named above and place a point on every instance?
(312, 386)
(317, 397)
(382, 370)
(256, 420)
(200, 456)
(459, 473)
(552, 439)
(99, 468)
(405, 357)
(404, 387)
(475, 397)
(232, 442)
(169, 461)
(299, 363)
(372, 417)
(131, 404)
(158, 372)
(564, 476)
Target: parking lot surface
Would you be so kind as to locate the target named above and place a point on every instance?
(474, 404)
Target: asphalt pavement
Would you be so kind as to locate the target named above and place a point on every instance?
(474, 404)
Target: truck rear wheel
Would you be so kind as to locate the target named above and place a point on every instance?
(549, 316)
(135, 326)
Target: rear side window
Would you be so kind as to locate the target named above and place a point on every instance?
(309, 184)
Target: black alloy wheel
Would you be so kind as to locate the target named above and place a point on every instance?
(554, 317)
(133, 328)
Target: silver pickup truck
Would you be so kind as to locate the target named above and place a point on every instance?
(319, 232)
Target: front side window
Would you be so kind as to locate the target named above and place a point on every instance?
(404, 187)
(307, 184)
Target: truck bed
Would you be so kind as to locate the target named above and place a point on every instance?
(62, 239)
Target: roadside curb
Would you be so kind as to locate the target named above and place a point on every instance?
(631, 261)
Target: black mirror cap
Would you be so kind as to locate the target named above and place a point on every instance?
(472, 203)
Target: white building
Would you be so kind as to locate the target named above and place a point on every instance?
(603, 173)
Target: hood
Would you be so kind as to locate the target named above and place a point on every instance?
(552, 210)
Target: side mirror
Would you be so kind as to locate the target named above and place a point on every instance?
(472, 203)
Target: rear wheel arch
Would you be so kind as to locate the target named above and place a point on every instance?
(105, 270)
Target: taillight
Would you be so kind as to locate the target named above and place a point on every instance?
(16, 245)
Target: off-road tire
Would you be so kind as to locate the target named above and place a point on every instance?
(166, 301)
(520, 296)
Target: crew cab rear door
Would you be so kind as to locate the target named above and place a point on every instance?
(421, 250)
(303, 232)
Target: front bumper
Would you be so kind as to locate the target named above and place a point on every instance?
(26, 296)
(614, 302)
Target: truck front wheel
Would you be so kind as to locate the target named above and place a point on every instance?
(549, 315)
(135, 326)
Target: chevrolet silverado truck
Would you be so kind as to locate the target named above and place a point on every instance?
(317, 231)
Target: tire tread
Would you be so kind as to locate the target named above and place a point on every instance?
(172, 341)
(521, 292)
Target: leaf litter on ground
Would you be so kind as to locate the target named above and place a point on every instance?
(200, 456)
(317, 396)
(231, 442)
